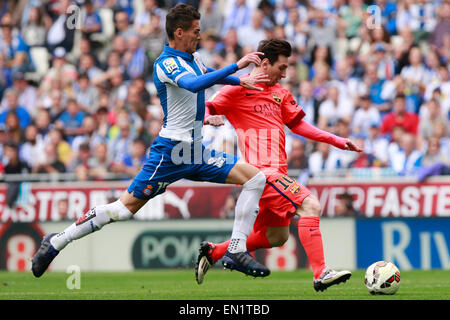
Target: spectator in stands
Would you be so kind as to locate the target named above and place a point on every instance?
(320, 81)
(208, 50)
(14, 51)
(439, 38)
(122, 136)
(296, 28)
(351, 17)
(81, 163)
(103, 124)
(143, 23)
(322, 160)
(33, 31)
(42, 121)
(391, 88)
(363, 159)
(61, 69)
(297, 158)
(154, 40)
(344, 206)
(86, 94)
(61, 32)
(377, 145)
(123, 26)
(230, 44)
(251, 34)
(212, 19)
(386, 65)
(99, 166)
(89, 134)
(375, 86)
(49, 163)
(364, 117)
(332, 109)
(308, 102)
(57, 104)
(27, 94)
(12, 98)
(13, 165)
(430, 119)
(151, 131)
(63, 149)
(388, 14)
(87, 66)
(406, 160)
(434, 155)
(442, 132)
(135, 59)
(404, 45)
(400, 117)
(440, 90)
(3, 140)
(133, 160)
(71, 120)
(350, 87)
(92, 22)
(33, 147)
(321, 33)
(239, 16)
(416, 74)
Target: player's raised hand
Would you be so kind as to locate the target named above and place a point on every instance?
(251, 81)
(216, 121)
(351, 146)
(252, 57)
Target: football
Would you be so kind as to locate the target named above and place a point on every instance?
(382, 278)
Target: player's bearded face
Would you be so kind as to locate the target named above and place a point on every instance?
(191, 37)
(276, 71)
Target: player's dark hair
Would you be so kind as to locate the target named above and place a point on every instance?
(273, 48)
(180, 16)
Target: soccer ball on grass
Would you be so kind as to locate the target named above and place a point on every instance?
(382, 278)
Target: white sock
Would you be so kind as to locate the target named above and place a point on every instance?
(247, 207)
(91, 221)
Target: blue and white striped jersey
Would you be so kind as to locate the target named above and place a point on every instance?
(183, 110)
(180, 79)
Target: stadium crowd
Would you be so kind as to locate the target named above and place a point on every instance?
(76, 91)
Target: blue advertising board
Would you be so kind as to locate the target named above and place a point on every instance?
(410, 243)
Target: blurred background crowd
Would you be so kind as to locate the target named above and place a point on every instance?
(77, 93)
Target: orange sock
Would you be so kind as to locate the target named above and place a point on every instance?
(311, 238)
(256, 240)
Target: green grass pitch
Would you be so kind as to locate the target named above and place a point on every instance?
(219, 284)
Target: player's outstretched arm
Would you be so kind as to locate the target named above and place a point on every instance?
(311, 132)
(196, 83)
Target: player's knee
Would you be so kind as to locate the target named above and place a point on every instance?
(279, 239)
(277, 236)
(310, 207)
(258, 181)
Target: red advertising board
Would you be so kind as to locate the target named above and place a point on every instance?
(388, 199)
(40, 201)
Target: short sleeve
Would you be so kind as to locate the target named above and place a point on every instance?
(223, 99)
(292, 112)
(169, 70)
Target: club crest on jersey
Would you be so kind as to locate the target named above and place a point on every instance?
(276, 96)
(170, 65)
(148, 191)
